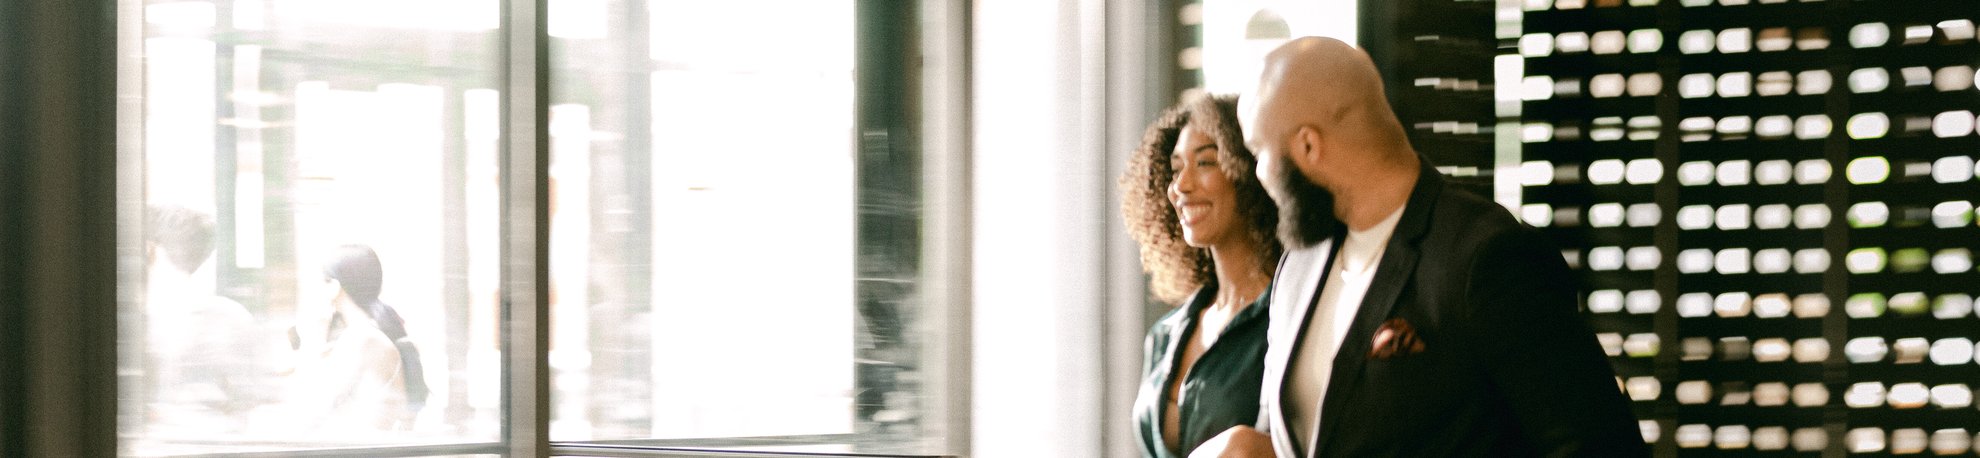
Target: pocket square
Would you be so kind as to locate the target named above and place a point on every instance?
(1395, 338)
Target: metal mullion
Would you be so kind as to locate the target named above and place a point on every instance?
(526, 228)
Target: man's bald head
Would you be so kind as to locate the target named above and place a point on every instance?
(1333, 88)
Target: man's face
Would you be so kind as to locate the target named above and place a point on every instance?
(1306, 210)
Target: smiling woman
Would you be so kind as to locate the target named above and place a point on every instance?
(1193, 201)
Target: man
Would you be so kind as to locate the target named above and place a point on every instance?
(201, 346)
(1409, 318)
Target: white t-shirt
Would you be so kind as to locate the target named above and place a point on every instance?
(1327, 327)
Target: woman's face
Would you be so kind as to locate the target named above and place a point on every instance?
(1205, 198)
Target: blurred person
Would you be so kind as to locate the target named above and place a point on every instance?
(1205, 228)
(1410, 318)
(200, 346)
(355, 369)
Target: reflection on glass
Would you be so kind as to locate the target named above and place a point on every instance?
(1643, 215)
(1909, 396)
(1612, 343)
(1907, 441)
(1695, 348)
(1773, 39)
(1607, 42)
(1731, 437)
(1812, 82)
(1908, 304)
(1953, 78)
(1863, 395)
(1735, 40)
(1869, 35)
(1864, 440)
(1649, 428)
(1537, 215)
(1952, 261)
(1696, 41)
(1771, 394)
(1958, 123)
(1694, 305)
(1811, 260)
(1645, 41)
(1871, 79)
(1644, 388)
(1774, 83)
(1696, 85)
(1645, 84)
(1956, 29)
(1916, 76)
(1536, 44)
(1917, 34)
(1950, 441)
(1868, 170)
(1736, 172)
(1952, 306)
(1868, 214)
(1812, 171)
(1735, 84)
(319, 221)
(1909, 350)
(1642, 345)
(1811, 38)
(1772, 216)
(1865, 305)
(1810, 395)
(1736, 348)
(1952, 351)
(1644, 301)
(1866, 349)
(1693, 435)
(1811, 127)
(1770, 350)
(1810, 439)
(1909, 260)
(1770, 438)
(1952, 169)
(1732, 305)
(1952, 214)
(1952, 396)
(1693, 392)
(1732, 217)
(1811, 350)
(1571, 42)
(1811, 305)
(1771, 305)
(1695, 173)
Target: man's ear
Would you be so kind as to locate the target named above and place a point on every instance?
(1307, 147)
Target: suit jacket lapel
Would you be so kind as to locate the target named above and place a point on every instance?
(1302, 293)
(1398, 265)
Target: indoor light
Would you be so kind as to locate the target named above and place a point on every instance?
(1952, 169)
(1868, 170)
(1864, 305)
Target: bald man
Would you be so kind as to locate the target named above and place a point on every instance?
(1408, 318)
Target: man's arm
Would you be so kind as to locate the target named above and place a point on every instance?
(1542, 356)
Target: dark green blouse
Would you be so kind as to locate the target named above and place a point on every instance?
(1221, 391)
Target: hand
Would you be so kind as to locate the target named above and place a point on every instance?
(1238, 442)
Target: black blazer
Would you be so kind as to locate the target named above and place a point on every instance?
(1509, 366)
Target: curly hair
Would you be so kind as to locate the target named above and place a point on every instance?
(1176, 269)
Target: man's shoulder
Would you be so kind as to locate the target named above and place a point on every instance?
(1467, 219)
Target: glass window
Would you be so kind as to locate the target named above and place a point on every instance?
(320, 208)
(734, 241)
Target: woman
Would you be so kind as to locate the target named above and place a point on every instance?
(1205, 227)
(356, 370)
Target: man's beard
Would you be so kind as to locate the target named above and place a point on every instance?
(1306, 210)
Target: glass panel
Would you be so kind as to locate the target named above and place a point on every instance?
(733, 239)
(320, 250)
